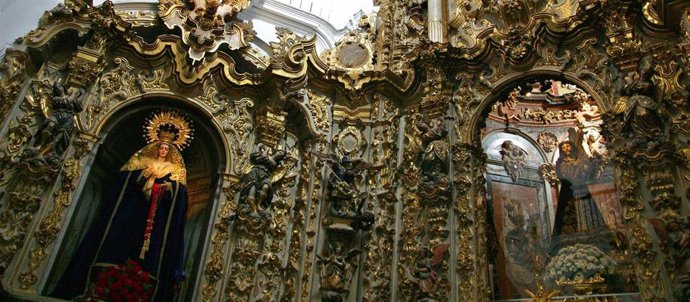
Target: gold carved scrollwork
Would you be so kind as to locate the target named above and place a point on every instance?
(16, 215)
(548, 173)
(85, 66)
(469, 164)
(152, 81)
(237, 123)
(51, 225)
(18, 136)
(12, 69)
(436, 91)
(382, 199)
(319, 111)
(119, 82)
(271, 126)
(213, 269)
(204, 28)
(287, 39)
(548, 117)
(247, 233)
(547, 141)
(311, 222)
(115, 85)
(138, 18)
(410, 229)
(292, 268)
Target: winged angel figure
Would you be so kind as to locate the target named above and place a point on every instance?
(54, 133)
(344, 196)
(257, 188)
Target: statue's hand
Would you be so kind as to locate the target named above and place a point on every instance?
(147, 172)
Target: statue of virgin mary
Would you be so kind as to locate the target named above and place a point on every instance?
(141, 223)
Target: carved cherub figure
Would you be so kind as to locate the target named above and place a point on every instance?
(337, 268)
(513, 158)
(425, 274)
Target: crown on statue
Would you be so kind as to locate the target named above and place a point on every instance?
(170, 127)
(166, 136)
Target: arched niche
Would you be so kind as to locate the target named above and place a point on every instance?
(505, 84)
(120, 136)
(528, 245)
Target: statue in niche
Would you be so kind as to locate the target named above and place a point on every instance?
(513, 158)
(434, 159)
(336, 272)
(425, 274)
(346, 201)
(139, 230)
(52, 137)
(641, 121)
(577, 211)
(257, 188)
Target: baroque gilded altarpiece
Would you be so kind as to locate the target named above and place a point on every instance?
(380, 192)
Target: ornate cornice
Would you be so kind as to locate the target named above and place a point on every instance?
(302, 58)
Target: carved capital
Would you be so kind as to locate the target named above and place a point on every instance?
(271, 126)
(85, 67)
(437, 93)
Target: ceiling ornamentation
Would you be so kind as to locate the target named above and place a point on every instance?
(205, 26)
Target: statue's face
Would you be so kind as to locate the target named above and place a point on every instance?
(163, 150)
(567, 148)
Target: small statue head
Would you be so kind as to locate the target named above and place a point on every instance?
(346, 161)
(646, 68)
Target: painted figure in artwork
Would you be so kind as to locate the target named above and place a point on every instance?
(577, 211)
(137, 236)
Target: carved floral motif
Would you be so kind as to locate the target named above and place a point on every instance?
(547, 141)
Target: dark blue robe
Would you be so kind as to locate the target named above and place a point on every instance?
(117, 235)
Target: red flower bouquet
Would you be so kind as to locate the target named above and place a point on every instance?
(127, 282)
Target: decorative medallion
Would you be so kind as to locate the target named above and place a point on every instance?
(350, 141)
(353, 51)
(355, 54)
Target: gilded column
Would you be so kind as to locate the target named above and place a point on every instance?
(379, 245)
(254, 214)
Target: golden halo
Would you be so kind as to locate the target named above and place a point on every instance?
(170, 119)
